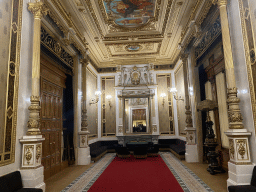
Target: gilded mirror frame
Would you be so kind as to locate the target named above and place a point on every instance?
(11, 75)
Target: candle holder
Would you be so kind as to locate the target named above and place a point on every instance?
(210, 141)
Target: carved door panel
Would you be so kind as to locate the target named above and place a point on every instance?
(52, 84)
(51, 102)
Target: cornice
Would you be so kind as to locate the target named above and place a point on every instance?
(64, 22)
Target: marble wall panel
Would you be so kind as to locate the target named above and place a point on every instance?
(92, 112)
(179, 84)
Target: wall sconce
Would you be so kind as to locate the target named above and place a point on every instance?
(163, 95)
(108, 97)
(96, 100)
(174, 93)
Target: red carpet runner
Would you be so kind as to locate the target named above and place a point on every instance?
(136, 175)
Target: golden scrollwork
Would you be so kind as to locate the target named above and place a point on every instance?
(234, 113)
(241, 147)
(38, 152)
(231, 149)
(222, 3)
(38, 9)
(34, 118)
(83, 139)
(28, 153)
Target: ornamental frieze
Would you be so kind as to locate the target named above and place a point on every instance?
(51, 44)
(209, 36)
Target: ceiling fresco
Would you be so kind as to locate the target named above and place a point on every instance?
(130, 13)
(130, 31)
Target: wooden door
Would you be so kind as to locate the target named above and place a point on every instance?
(52, 84)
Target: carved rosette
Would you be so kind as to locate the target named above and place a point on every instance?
(38, 9)
(234, 113)
(34, 118)
(31, 155)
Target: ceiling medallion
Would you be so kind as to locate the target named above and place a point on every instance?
(130, 14)
(133, 47)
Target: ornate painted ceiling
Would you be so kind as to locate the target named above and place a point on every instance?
(132, 31)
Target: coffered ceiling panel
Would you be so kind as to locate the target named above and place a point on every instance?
(137, 31)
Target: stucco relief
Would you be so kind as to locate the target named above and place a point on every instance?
(134, 76)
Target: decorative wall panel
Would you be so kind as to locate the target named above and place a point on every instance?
(179, 83)
(249, 35)
(166, 124)
(223, 108)
(10, 27)
(108, 106)
(92, 112)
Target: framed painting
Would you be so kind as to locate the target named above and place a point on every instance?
(10, 31)
(130, 13)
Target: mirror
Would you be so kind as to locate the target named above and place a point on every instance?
(136, 116)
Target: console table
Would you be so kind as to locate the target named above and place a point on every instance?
(123, 140)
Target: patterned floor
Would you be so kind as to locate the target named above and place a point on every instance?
(186, 178)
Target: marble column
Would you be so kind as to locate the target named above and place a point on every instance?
(239, 166)
(84, 157)
(191, 154)
(32, 171)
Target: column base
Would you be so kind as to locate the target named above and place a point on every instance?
(33, 178)
(239, 174)
(84, 157)
(191, 154)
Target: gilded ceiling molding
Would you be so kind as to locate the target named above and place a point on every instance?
(135, 45)
(77, 39)
(125, 43)
(140, 54)
(169, 5)
(116, 38)
(91, 10)
(198, 15)
(192, 17)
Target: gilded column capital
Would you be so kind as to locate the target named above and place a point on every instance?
(84, 62)
(222, 2)
(184, 57)
(38, 9)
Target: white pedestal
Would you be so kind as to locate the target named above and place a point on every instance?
(84, 157)
(33, 178)
(239, 174)
(191, 154)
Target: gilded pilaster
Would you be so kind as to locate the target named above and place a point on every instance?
(239, 151)
(38, 9)
(184, 58)
(234, 113)
(84, 123)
